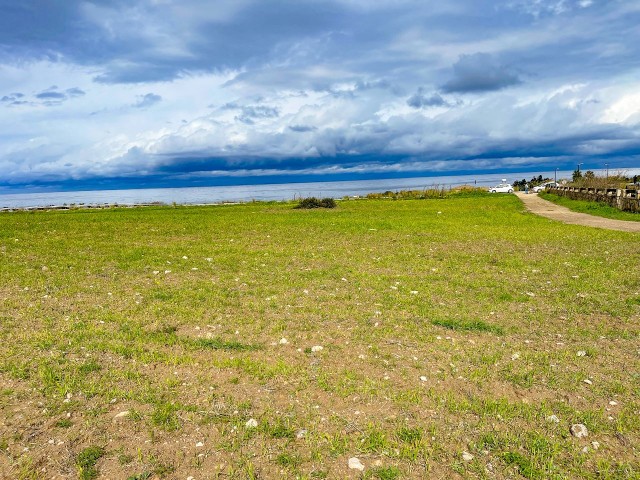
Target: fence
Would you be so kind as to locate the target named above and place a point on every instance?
(626, 199)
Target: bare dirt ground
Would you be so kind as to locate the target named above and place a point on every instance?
(547, 209)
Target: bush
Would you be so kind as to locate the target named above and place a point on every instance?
(313, 202)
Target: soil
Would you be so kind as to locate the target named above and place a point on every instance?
(544, 208)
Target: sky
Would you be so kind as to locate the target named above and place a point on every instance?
(148, 93)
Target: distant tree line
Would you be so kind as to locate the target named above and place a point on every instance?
(532, 183)
(589, 179)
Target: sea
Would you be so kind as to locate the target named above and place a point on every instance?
(247, 193)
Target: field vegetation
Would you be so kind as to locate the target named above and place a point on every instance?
(600, 209)
(456, 337)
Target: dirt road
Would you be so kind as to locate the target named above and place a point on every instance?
(541, 207)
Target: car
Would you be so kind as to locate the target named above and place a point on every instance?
(544, 186)
(502, 188)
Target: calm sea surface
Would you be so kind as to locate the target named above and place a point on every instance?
(244, 193)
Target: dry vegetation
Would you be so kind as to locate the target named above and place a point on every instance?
(178, 342)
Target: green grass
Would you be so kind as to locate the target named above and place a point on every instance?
(86, 462)
(592, 208)
(446, 326)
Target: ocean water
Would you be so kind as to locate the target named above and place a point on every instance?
(246, 193)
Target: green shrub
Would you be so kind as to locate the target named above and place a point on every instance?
(313, 202)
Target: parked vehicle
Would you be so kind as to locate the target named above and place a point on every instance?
(502, 188)
(544, 186)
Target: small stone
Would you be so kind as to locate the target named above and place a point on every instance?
(579, 430)
(121, 415)
(613, 403)
(595, 445)
(200, 444)
(44, 268)
(413, 292)
(300, 434)
(251, 423)
(531, 294)
(316, 348)
(423, 378)
(553, 419)
(581, 353)
(585, 450)
(515, 356)
(356, 464)
(467, 457)
(190, 478)
(283, 341)
(185, 257)
(587, 381)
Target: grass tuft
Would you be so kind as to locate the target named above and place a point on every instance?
(86, 462)
(468, 326)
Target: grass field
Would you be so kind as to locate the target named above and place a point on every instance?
(592, 208)
(461, 338)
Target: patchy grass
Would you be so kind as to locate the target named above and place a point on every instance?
(592, 208)
(86, 462)
(185, 340)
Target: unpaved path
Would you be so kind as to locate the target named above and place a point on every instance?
(544, 208)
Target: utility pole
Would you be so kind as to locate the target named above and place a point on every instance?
(607, 182)
(555, 176)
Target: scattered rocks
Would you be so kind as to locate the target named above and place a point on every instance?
(200, 444)
(356, 464)
(515, 356)
(581, 353)
(613, 403)
(317, 348)
(283, 341)
(579, 430)
(595, 445)
(251, 423)
(467, 457)
(300, 434)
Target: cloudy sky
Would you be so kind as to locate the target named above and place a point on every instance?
(112, 93)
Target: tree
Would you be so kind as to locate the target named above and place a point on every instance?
(577, 175)
(589, 175)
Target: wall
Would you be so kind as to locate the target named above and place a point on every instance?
(627, 199)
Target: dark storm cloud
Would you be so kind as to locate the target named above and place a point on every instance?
(480, 72)
(315, 84)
